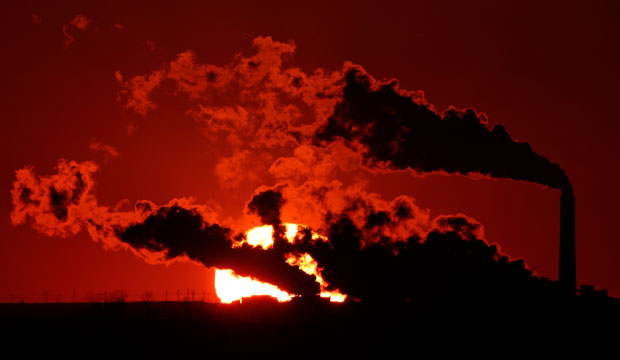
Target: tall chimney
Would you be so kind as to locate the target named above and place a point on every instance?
(567, 271)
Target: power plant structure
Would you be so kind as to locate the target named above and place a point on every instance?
(567, 274)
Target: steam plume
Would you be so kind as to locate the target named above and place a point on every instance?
(371, 249)
(365, 258)
(399, 129)
(61, 204)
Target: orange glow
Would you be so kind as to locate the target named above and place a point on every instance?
(230, 287)
(307, 264)
(334, 296)
(291, 232)
(261, 236)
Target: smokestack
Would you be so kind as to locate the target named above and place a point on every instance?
(567, 271)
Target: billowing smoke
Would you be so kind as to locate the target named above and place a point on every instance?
(399, 129)
(61, 204)
(366, 259)
(303, 131)
(54, 203)
(176, 232)
(366, 254)
(267, 206)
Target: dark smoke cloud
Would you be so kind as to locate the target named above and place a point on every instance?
(176, 232)
(332, 123)
(373, 251)
(401, 130)
(450, 262)
(267, 205)
(61, 204)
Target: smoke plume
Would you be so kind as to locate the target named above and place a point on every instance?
(399, 129)
(365, 258)
(273, 121)
(61, 204)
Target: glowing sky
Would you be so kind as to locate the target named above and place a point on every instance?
(547, 72)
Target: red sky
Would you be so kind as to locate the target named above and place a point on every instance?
(548, 72)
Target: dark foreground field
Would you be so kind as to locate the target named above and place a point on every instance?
(303, 329)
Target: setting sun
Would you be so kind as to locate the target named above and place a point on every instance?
(230, 287)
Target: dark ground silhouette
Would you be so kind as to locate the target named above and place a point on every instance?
(308, 327)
